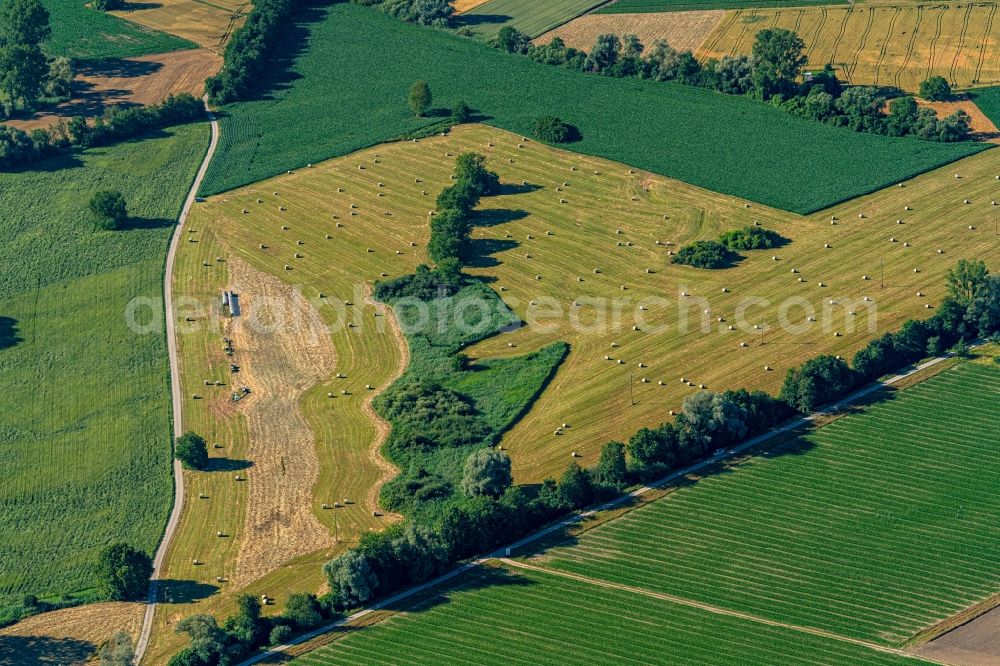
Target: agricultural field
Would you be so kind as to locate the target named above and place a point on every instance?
(685, 140)
(897, 45)
(684, 31)
(144, 80)
(874, 527)
(652, 6)
(85, 441)
(207, 24)
(530, 17)
(988, 101)
(513, 615)
(82, 33)
(68, 636)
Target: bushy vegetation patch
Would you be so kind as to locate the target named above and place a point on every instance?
(703, 254)
(725, 251)
(315, 110)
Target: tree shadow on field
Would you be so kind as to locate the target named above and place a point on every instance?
(9, 333)
(21, 650)
(479, 251)
(510, 188)
(136, 223)
(227, 465)
(183, 591)
(472, 20)
(295, 40)
(139, 6)
(491, 217)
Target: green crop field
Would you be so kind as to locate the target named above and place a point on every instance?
(874, 527)
(529, 16)
(86, 34)
(513, 617)
(988, 101)
(646, 6)
(320, 112)
(85, 432)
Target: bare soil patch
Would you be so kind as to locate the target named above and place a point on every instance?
(974, 644)
(131, 81)
(68, 636)
(283, 349)
(685, 31)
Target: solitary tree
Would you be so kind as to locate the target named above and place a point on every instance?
(117, 651)
(192, 451)
(778, 58)
(303, 611)
(935, 89)
(108, 206)
(420, 98)
(123, 572)
(487, 472)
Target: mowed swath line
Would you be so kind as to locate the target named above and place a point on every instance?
(502, 617)
(873, 527)
(528, 16)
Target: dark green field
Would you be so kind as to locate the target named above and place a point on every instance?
(85, 432)
(529, 16)
(646, 6)
(876, 526)
(86, 34)
(988, 101)
(316, 110)
(514, 617)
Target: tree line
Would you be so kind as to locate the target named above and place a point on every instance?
(19, 148)
(771, 73)
(27, 77)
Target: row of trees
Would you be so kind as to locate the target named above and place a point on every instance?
(27, 77)
(249, 50)
(773, 72)
(19, 148)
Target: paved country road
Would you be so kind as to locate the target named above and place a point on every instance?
(502, 552)
(175, 385)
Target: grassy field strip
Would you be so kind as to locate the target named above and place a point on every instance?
(677, 130)
(658, 6)
(694, 604)
(502, 616)
(529, 16)
(881, 43)
(847, 531)
(82, 33)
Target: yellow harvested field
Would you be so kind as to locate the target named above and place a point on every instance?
(69, 636)
(207, 24)
(465, 5)
(685, 31)
(892, 44)
(143, 80)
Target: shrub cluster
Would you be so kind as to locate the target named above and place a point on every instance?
(723, 252)
(773, 72)
(427, 416)
(553, 130)
(19, 148)
(249, 50)
(434, 13)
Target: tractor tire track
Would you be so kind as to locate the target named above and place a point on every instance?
(862, 44)
(985, 42)
(961, 45)
(932, 48)
(723, 30)
(840, 37)
(885, 43)
(897, 78)
(816, 34)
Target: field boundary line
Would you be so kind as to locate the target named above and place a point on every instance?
(504, 551)
(711, 608)
(175, 392)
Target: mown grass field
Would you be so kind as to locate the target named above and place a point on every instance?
(675, 130)
(85, 438)
(875, 526)
(593, 395)
(643, 6)
(86, 34)
(512, 616)
(896, 45)
(530, 17)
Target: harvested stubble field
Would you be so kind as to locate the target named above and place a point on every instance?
(207, 24)
(529, 16)
(896, 45)
(641, 6)
(69, 636)
(86, 451)
(143, 80)
(874, 527)
(677, 129)
(684, 31)
(82, 33)
(514, 616)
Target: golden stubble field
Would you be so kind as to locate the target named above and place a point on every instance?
(887, 44)
(685, 31)
(207, 24)
(335, 228)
